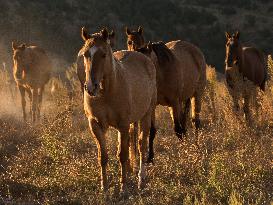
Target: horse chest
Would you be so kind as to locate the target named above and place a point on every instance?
(103, 111)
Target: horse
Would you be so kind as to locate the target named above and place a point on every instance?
(245, 70)
(120, 89)
(31, 70)
(181, 76)
(80, 64)
(135, 39)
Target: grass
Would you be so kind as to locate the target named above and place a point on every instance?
(55, 162)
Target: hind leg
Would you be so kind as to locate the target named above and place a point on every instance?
(30, 100)
(39, 104)
(23, 101)
(99, 134)
(34, 104)
(145, 125)
(197, 110)
(184, 115)
(133, 146)
(151, 138)
(175, 112)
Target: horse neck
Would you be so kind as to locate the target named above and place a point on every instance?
(154, 59)
(241, 56)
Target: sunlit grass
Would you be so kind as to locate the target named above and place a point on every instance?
(55, 161)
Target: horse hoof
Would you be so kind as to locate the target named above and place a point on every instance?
(123, 191)
(150, 161)
(179, 135)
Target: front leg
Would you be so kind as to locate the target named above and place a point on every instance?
(23, 101)
(151, 138)
(123, 155)
(98, 132)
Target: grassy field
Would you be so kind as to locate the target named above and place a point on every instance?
(55, 161)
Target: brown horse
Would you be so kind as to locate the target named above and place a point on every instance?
(244, 66)
(135, 39)
(32, 68)
(80, 62)
(120, 89)
(181, 75)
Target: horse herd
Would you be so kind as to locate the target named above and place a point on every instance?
(122, 89)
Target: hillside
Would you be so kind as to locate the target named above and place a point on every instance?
(55, 25)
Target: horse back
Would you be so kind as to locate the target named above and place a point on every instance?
(254, 66)
(191, 63)
(40, 65)
(138, 74)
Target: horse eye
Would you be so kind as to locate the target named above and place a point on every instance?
(129, 42)
(104, 55)
(86, 54)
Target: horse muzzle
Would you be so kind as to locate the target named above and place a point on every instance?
(92, 90)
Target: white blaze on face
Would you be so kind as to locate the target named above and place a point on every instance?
(92, 52)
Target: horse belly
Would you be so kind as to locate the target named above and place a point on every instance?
(142, 95)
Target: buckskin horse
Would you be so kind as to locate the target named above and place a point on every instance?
(120, 89)
(31, 70)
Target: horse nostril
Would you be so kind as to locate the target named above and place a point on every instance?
(85, 86)
(96, 85)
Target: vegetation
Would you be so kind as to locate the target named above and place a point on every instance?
(55, 162)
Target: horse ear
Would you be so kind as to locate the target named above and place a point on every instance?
(23, 46)
(104, 33)
(227, 35)
(149, 46)
(14, 46)
(84, 34)
(128, 31)
(237, 34)
(140, 30)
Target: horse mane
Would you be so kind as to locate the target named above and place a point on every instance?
(163, 53)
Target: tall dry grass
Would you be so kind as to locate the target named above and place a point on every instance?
(55, 161)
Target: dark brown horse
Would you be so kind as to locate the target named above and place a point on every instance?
(80, 63)
(120, 89)
(181, 76)
(244, 65)
(32, 69)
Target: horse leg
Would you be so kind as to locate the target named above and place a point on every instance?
(34, 103)
(151, 138)
(184, 115)
(99, 135)
(246, 107)
(30, 99)
(175, 112)
(123, 155)
(40, 98)
(145, 126)
(197, 110)
(133, 147)
(23, 101)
